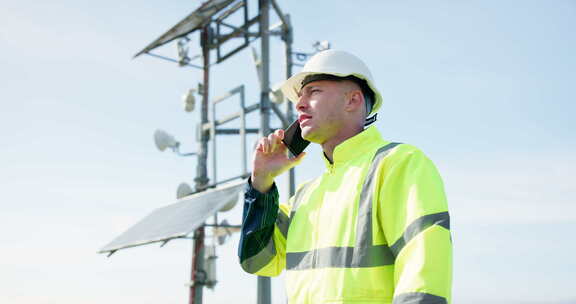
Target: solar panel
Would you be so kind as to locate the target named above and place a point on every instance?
(179, 219)
(192, 22)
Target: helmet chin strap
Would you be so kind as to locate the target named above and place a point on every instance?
(370, 120)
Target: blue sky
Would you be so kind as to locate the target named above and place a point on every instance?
(485, 88)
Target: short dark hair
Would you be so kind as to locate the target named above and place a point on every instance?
(362, 83)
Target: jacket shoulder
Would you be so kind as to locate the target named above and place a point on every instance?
(402, 153)
(399, 149)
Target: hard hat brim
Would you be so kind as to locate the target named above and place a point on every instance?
(292, 86)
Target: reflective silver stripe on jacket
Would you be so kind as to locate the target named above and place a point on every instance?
(420, 224)
(283, 222)
(340, 257)
(261, 259)
(418, 298)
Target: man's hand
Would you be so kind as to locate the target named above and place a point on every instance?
(270, 160)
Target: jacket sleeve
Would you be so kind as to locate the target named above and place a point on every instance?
(413, 215)
(262, 248)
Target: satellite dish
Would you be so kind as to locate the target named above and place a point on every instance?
(164, 140)
(189, 100)
(183, 190)
(230, 204)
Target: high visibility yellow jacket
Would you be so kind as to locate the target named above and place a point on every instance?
(374, 228)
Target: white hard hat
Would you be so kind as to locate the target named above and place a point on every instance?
(332, 62)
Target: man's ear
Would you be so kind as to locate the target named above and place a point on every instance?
(355, 101)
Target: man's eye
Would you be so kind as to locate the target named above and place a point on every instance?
(314, 91)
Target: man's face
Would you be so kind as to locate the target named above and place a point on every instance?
(321, 109)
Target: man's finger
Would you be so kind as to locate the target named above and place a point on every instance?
(275, 141)
(278, 137)
(259, 146)
(265, 144)
(280, 134)
(272, 140)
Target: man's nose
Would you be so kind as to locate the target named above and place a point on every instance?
(302, 103)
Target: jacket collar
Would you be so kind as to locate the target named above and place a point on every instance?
(355, 146)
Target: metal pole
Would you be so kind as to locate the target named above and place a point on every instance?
(243, 131)
(213, 137)
(201, 168)
(265, 53)
(198, 273)
(264, 282)
(289, 106)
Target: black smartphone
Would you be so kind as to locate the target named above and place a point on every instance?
(293, 139)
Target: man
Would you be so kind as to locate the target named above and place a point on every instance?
(373, 228)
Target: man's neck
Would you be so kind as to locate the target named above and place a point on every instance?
(329, 145)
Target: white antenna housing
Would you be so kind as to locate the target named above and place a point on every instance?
(164, 140)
